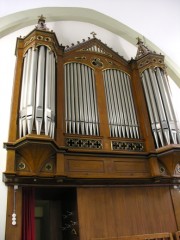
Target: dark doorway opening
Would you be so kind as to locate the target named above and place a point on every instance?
(56, 214)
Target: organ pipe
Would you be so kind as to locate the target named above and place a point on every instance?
(81, 114)
(23, 92)
(162, 116)
(155, 122)
(40, 90)
(31, 91)
(37, 104)
(120, 105)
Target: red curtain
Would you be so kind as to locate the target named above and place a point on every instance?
(28, 209)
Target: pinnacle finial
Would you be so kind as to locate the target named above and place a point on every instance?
(142, 49)
(41, 23)
(93, 34)
(41, 18)
(139, 41)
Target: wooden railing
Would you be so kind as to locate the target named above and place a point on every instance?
(154, 236)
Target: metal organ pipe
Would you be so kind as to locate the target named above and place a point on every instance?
(49, 114)
(40, 90)
(96, 120)
(37, 104)
(155, 122)
(171, 116)
(121, 128)
(76, 100)
(80, 101)
(127, 110)
(85, 105)
(121, 110)
(80, 94)
(27, 73)
(113, 105)
(22, 110)
(132, 112)
(161, 113)
(31, 91)
(53, 94)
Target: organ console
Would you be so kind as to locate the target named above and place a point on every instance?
(90, 121)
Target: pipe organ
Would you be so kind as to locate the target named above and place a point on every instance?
(96, 138)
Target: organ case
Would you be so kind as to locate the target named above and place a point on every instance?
(83, 116)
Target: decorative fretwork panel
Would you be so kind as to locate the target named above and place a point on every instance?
(128, 146)
(83, 143)
(120, 104)
(81, 114)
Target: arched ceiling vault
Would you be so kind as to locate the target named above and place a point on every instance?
(16, 21)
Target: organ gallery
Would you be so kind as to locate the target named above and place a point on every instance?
(93, 150)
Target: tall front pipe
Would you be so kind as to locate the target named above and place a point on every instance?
(150, 110)
(81, 111)
(76, 98)
(133, 112)
(160, 106)
(47, 113)
(119, 106)
(87, 84)
(22, 112)
(40, 90)
(171, 118)
(95, 104)
(52, 96)
(24, 121)
(31, 91)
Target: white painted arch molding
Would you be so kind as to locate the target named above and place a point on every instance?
(21, 19)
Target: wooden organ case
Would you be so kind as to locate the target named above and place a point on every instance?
(98, 131)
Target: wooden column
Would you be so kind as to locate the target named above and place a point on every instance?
(60, 108)
(60, 164)
(13, 128)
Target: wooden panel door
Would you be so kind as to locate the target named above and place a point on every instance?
(115, 212)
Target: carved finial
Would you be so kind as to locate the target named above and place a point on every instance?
(139, 41)
(93, 34)
(142, 49)
(41, 23)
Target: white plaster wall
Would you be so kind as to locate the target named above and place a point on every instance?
(6, 72)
